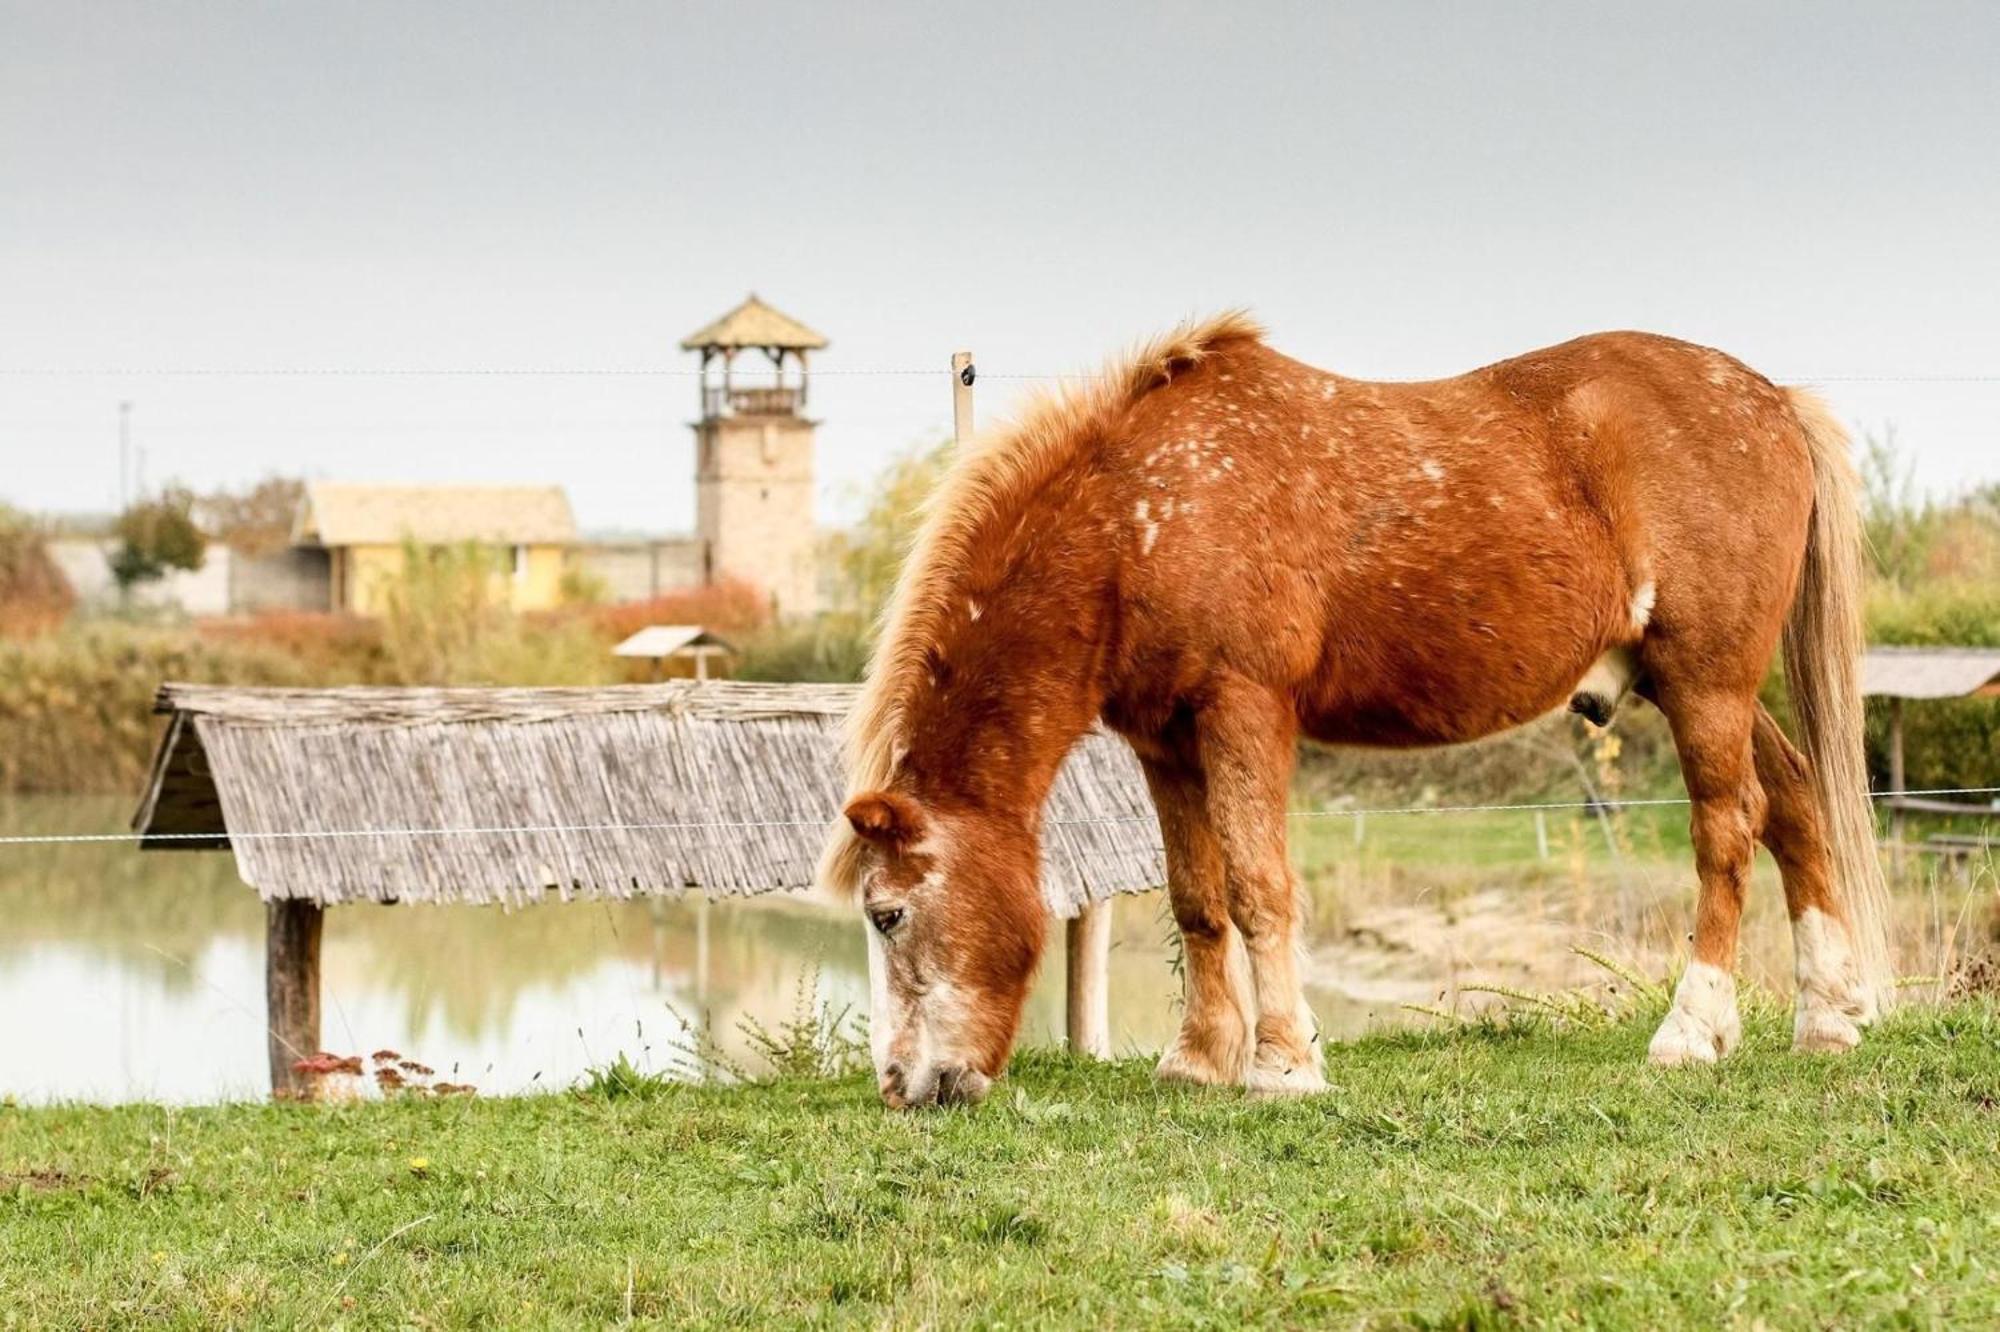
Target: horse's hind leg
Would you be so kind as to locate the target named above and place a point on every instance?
(1712, 735)
(1833, 1002)
(1214, 1040)
(1245, 737)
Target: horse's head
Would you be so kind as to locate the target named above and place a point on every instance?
(955, 924)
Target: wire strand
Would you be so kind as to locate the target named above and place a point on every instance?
(663, 372)
(554, 829)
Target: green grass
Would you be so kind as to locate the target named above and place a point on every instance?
(1491, 839)
(1476, 1177)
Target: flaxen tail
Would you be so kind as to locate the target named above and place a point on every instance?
(1824, 640)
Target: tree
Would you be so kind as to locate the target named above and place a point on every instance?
(871, 554)
(257, 521)
(155, 535)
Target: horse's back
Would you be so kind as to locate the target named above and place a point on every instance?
(1430, 562)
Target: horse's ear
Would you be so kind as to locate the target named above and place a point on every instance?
(885, 818)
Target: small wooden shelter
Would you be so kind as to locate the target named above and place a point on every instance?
(513, 796)
(1899, 673)
(662, 643)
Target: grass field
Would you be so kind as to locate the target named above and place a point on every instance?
(1478, 1177)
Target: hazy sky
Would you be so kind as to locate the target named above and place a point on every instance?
(1398, 190)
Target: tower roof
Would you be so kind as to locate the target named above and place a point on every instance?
(754, 324)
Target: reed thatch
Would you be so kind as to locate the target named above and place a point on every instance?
(513, 795)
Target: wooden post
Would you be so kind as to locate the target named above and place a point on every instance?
(701, 952)
(291, 992)
(1087, 936)
(1541, 835)
(1896, 830)
(962, 375)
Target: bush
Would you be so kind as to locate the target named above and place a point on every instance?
(34, 595)
(830, 649)
(728, 607)
(76, 708)
(446, 624)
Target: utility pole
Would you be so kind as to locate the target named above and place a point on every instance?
(124, 456)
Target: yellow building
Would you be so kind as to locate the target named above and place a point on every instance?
(367, 531)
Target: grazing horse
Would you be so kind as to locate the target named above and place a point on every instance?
(1216, 549)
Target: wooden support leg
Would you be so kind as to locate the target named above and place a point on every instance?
(1897, 830)
(1088, 936)
(291, 993)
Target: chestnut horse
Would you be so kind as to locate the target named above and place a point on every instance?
(1216, 549)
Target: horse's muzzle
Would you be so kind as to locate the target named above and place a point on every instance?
(932, 1086)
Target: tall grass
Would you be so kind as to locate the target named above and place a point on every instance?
(76, 707)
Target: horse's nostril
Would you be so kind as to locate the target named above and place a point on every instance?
(893, 1087)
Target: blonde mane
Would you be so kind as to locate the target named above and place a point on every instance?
(993, 471)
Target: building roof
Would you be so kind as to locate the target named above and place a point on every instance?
(512, 796)
(664, 640)
(340, 514)
(1930, 672)
(754, 324)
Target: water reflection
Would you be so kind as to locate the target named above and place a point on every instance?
(140, 976)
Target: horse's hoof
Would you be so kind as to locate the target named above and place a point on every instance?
(1823, 1028)
(1703, 1025)
(1186, 1062)
(1275, 1072)
(1681, 1041)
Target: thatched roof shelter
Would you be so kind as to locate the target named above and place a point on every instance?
(1931, 672)
(511, 796)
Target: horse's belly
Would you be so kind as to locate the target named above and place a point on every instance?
(1446, 685)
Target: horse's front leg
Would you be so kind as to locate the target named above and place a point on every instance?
(1245, 738)
(1213, 1045)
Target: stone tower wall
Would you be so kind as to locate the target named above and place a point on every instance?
(754, 505)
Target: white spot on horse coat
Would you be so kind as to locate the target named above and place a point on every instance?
(1642, 604)
(1149, 530)
(1432, 470)
(973, 608)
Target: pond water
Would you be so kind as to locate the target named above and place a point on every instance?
(128, 975)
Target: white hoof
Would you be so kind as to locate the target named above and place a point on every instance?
(1703, 1025)
(1199, 1063)
(1834, 1002)
(1277, 1072)
(1822, 1027)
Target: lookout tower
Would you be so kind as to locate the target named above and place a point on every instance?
(753, 461)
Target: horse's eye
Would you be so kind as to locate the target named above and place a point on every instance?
(886, 920)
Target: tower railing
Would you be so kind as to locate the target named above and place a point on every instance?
(721, 400)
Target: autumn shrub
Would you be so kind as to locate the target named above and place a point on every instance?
(34, 595)
(334, 648)
(730, 607)
(76, 708)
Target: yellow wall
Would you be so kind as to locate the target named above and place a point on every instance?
(364, 576)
